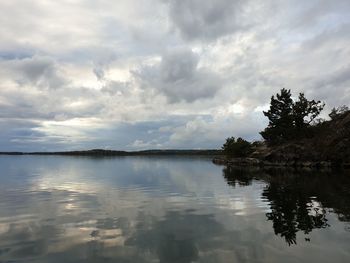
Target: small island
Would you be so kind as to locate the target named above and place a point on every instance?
(294, 137)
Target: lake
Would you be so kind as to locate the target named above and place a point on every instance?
(169, 209)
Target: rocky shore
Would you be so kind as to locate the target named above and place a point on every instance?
(254, 162)
(330, 147)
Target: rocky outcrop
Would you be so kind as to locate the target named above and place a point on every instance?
(329, 146)
(334, 144)
(237, 161)
(254, 162)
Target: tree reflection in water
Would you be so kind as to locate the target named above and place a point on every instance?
(299, 199)
(293, 209)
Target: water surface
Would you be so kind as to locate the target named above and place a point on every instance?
(169, 209)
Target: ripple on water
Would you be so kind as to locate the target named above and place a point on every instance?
(124, 210)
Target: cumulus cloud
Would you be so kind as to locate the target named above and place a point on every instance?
(37, 71)
(207, 20)
(179, 77)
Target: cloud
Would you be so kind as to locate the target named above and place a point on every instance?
(140, 144)
(116, 87)
(179, 77)
(37, 71)
(17, 134)
(322, 12)
(339, 79)
(208, 132)
(208, 20)
(162, 73)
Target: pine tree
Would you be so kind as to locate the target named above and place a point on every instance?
(280, 117)
(306, 111)
(289, 120)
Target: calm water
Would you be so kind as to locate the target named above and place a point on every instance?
(71, 209)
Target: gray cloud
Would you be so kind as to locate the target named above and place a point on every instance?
(38, 71)
(16, 131)
(320, 11)
(180, 78)
(196, 19)
(337, 82)
(116, 88)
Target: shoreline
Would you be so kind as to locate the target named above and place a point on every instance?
(254, 162)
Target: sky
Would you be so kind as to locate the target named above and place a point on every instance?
(162, 74)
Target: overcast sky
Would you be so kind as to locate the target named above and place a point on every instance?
(144, 74)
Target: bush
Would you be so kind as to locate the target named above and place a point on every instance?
(338, 113)
(237, 148)
(257, 144)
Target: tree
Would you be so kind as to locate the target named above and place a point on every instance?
(280, 117)
(237, 148)
(289, 120)
(305, 111)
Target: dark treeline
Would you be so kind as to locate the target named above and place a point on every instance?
(101, 152)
